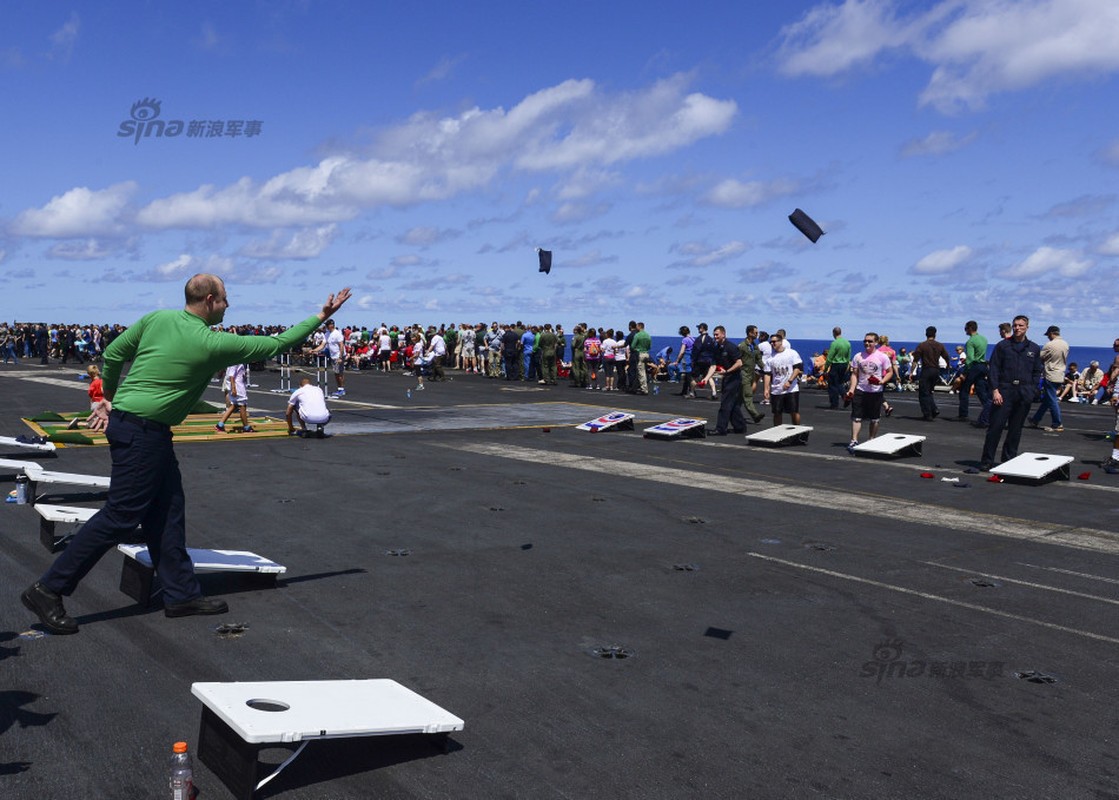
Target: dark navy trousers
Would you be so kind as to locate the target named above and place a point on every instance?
(145, 490)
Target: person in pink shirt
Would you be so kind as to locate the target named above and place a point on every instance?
(870, 371)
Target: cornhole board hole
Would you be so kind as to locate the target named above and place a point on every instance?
(241, 719)
(50, 516)
(137, 576)
(781, 435)
(679, 428)
(892, 444)
(1035, 467)
(11, 441)
(614, 421)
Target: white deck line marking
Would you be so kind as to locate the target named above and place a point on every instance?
(33, 378)
(1026, 583)
(929, 596)
(895, 510)
(1072, 572)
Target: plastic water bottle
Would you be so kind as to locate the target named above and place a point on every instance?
(408, 394)
(656, 388)
(181, 773)
(22, 484)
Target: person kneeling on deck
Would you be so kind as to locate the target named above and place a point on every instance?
(310, 404)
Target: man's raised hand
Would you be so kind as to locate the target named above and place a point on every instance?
(333, 303)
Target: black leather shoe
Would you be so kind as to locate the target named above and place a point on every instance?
(714, 432)
(47, 606)
(199, 605)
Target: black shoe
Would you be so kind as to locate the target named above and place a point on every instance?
(926, 418)
(985, 466)
(935, 414)
(47, 606)
(713, 432)
(961, 418)
(200, 605)
(759, 418)
(979, 424)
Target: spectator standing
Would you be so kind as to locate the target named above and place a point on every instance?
(782, 380)
(639, 351)
(727, 357)
(837, 364)
(1054, 358)
(1015, 372)
(548, 355)
(870, 371)
(928, 355)
(751, 356)
(975, 370)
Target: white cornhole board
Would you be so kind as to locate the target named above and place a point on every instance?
(892, 444)
(9, 465)
(781, 434)
(614, 421)
(36, 474)
(679, 428)
(137, 573)
(1035, 466)
(240, 719)
(51, 515)
(11, 441)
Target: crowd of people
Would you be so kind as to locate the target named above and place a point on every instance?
(621, 360)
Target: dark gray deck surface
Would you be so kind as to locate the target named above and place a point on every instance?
(772, 601)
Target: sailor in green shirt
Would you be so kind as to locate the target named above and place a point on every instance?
(174, 354)
(836, 363)
(641, 345)
(975, 361)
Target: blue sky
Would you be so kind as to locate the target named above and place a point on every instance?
(962, 155)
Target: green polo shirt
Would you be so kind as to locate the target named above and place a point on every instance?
(642, 342)
(839, 351)
(975, 349)
(174, 354)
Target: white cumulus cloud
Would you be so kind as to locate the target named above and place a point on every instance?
(79, 212)
(572, 126)
(941, 261)
(301, 245)
(936, 143)
(975, 48)
(1050, 261)
(1108, 248)
(732, 193)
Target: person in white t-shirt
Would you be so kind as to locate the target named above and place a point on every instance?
(236, 376)
(782, 380)
(335, 346)
(309, 402)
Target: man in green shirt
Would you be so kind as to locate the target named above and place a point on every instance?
(836, 364)
(975, 369)
(751, 367)
(546, 346)
(641, 345)
(173, 355)
(578, 360)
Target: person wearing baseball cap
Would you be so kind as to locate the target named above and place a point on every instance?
(1054, 358)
